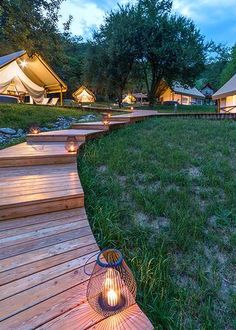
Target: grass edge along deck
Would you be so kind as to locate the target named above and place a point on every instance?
(44, 249)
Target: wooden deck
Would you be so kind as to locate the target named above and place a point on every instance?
(45, 241)
(98, 125)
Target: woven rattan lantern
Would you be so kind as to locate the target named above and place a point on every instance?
(106, 120)
(71, 144)
(112, 287)
(34, 129)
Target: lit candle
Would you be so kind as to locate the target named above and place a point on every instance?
(111, 291)
(72, 148)
(106, 122)
(112, 298)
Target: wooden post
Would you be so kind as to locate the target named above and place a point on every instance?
(61, 99)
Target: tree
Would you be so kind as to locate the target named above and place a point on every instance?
(230, 68)
(171, 45)
(32, 25)
(217, 59)
(112, 52)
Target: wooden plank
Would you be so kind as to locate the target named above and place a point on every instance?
(53, 216)
(20, 248)
(40, 277)
(42, 292)
(42, 206)
(38, 266)
(46, 252)
(40, 233)
(35, 228)
(84, 317)
(43, 312)
(132, 318)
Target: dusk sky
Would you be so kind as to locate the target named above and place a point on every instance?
(215, 18)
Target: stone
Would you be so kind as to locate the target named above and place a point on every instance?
(8, 131)
(20, 132)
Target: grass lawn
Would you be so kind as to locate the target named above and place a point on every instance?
(164, 193)
(22, 116)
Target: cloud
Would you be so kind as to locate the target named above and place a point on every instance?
(215, 18)
(86, 16)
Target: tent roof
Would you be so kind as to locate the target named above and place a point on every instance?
(36, 70)
(207, 85)
(4, 60)
(228, 89)
(187, 91)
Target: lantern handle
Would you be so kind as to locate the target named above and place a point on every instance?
(87, 261)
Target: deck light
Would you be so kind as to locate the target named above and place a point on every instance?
(34, 129)
(112, 287)
(23, 64)
(132, 109)
(106, 120)
(71, 144)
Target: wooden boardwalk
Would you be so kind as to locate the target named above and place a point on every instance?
(46, 239)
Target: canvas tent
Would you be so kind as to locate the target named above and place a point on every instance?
(182, 95)
(226, 96)
(129, 99)
(84, 95)
(21, 74)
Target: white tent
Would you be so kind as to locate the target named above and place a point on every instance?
(226, 96)
(13, 79)
(84, 95)
(21, 74)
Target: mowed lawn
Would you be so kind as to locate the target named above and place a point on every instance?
(164, 193)
(22, 116)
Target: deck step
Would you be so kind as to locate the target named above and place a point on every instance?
(39, 189)
(99, 125)
(29, 154)
(61, 136)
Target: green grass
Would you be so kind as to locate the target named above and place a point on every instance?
(22, 116)
(163, 192)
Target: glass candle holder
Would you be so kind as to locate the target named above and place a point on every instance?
(71, 144)
(106, 120)
(112, 287)
(34, 129)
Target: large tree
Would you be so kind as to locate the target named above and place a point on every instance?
(170, 45)
(112, 52)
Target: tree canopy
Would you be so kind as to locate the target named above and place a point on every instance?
(136, 48)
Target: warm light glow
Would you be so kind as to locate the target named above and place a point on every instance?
(35, 131)
(71, 147)
(112, 298)
(106, 122)
(109, 115)
(111, 291)
(132, 108)
(23, 64)
(71, 144)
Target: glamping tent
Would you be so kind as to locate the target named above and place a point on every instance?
(129, 99)
(21, 75)
(226, 96)
(182, 95)
(84, 95)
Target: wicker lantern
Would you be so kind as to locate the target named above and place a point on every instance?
(71, 144)
(34, 129)
(106, 120)
(112, 287)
